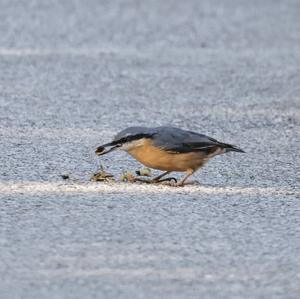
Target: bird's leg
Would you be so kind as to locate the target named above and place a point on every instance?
(182, 181)
(157, 179)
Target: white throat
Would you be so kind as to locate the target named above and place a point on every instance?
(132, 144)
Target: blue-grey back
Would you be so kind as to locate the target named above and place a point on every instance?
(169, 138)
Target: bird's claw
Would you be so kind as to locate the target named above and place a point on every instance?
(141, 180)
(156, 181)
(167, 180)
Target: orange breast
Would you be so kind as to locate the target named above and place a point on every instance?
(156, 158)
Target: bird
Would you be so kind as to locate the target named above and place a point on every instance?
(168, 149)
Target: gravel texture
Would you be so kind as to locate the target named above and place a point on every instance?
(74, 73)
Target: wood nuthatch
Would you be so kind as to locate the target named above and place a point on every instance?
(167, 149)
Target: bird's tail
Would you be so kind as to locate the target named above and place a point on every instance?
(106, 148)
(231, 148)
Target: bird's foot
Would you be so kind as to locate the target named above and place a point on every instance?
(176, 184)
(182, 184)
(142, 180)
(171, 180)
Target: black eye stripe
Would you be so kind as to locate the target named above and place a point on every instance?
(131, 138)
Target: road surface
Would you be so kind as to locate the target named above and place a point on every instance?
(74, 73)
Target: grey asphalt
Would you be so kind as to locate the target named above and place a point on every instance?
(73, 73)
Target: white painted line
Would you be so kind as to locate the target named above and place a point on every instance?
(89, 187)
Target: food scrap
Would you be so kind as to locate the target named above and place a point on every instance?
(102, 176)
(128, 177)
(143, 172)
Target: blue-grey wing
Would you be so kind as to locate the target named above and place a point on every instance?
(181, 141)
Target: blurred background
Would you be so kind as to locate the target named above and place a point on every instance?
(79, 72)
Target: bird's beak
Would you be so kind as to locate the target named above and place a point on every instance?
(106, 148)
